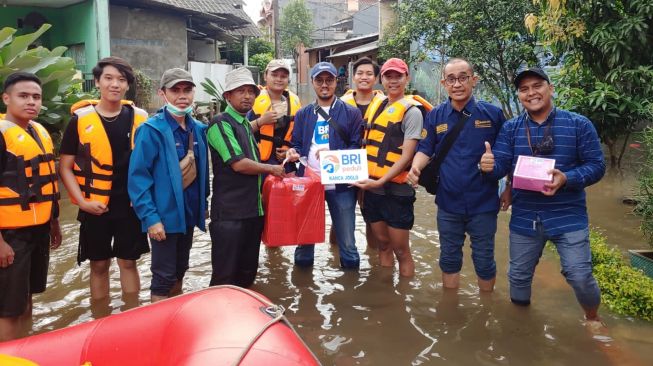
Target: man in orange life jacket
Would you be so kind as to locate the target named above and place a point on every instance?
(273, 113)
(29, 207)
(95, 153)
(365, 76)
(393, 130)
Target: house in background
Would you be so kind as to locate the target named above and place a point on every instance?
(153, 35)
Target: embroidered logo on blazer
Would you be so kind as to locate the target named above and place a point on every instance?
(482, 124)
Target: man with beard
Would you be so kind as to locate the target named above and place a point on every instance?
(236, 206)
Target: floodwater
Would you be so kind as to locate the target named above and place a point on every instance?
(373, 317)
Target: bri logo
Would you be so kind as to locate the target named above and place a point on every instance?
(330, 164)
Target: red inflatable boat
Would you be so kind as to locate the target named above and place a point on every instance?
(222, 325)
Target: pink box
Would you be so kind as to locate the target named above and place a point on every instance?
(532, 172)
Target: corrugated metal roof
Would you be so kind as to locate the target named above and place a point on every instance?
(236, 21)
(357, 50)
(370, 36)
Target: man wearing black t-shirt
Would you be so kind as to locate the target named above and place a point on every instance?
(95, 153)
(29, 208)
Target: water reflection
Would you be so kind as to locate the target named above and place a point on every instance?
(374, 317)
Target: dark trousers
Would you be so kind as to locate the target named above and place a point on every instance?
(170, 261)
(234, 251)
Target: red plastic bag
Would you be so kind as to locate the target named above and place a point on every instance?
(294, 210)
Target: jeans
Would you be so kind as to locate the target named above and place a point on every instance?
(575, 259)
(481, 229)
(170, 261)
(342, 207)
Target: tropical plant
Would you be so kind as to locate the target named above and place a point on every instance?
(57, 74)
(489, 33)
(605, 53)
(217, 103)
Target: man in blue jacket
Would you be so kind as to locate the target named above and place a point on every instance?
(312, 134)
(169, 202)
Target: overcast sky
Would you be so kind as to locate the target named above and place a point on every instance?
(252, 7)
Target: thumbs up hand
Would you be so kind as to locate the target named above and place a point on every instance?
(487, 159)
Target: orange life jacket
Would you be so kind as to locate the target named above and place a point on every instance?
(93, 167)
(384, 138)
(28, 185)
(276, 135)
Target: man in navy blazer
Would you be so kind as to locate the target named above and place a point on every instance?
(312, 134)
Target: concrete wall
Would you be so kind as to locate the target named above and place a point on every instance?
(386, 15)
(149, 40)
(201, 50)
(366, 20)
(71, 25)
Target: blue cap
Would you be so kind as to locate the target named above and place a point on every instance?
(322, 67)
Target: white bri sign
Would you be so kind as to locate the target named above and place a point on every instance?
(343, 166)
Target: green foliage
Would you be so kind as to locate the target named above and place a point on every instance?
(645, 182)
(144, 85)
(233, 51)
(605, 49)
(295, 27)
(60, 87)
(260, 45)
(624, 289)
(261, 60)
(394, 43)
(489, 33)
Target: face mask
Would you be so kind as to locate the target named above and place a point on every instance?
(177, 111)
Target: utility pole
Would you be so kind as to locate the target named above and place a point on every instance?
(275, 16)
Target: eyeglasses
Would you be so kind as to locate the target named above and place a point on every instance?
(451, 81)
(328, 81)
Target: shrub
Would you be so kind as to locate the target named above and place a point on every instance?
(624, 289)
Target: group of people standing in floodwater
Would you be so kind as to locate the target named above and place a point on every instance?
(136, 176)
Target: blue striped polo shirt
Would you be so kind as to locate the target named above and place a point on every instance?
(577, 153)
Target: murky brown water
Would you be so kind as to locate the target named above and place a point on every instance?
(375, 318)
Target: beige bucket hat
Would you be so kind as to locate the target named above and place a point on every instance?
(236, 78)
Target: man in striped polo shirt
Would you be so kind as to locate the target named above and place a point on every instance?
(558, 213)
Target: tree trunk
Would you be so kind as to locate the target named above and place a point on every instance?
(623, 149)
(611, 151)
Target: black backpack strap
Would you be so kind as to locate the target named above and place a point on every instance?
(450, 139)
(332, 124)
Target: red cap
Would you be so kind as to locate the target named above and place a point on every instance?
(395, 64)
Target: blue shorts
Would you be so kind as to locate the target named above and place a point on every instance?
(396, 211)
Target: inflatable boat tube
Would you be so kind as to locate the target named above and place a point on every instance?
(222, 325)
